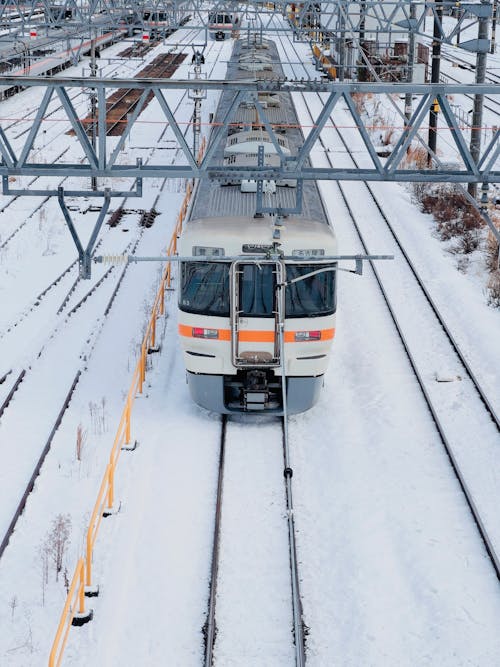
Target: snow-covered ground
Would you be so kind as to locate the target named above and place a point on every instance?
(392, 569)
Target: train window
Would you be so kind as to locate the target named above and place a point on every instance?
(257, 287)
(311, 297)
(205, 288)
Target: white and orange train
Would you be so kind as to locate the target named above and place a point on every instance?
(222, 24)
(243, 334)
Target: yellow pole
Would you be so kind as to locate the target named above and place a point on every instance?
(144, 358)
(162, 300)
(111, 485)
(153, 331)
(88, 560)
(127, 421)
(81, 592)
(141, 362)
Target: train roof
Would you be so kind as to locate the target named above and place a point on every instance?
(217, 200)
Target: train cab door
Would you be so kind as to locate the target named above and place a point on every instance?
(255, 313)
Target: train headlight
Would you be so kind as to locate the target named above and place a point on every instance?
(199, 332)
(304, 336)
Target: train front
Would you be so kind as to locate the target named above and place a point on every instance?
(240, 332)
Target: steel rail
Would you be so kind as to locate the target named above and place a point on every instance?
(36, 471)
(116, 121)
(210, 627)
(29, 487)
(468, 370)
(12, 391)
(466, 366)
(495, 560)
(470, 97)
(297, 612)
(493, 556)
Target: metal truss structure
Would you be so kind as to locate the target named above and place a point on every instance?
(338, 21)
(344, 18)
(330, 17)
(102, 161)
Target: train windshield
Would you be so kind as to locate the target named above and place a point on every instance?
(311, 297)
(205, 288)
(257, 289)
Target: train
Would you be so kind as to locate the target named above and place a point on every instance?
(222, 24)
(45, 56)
(251, 345)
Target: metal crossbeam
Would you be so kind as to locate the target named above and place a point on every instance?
(372, 18)
(102, 160)
(340, 18)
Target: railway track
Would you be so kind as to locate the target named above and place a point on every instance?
(70, 312)
(32, 373)
(466, 366)
(252, 551)
(486, 418)
(437, 402)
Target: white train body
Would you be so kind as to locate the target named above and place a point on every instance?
(228, 313)
(221, 25)
(241, 331)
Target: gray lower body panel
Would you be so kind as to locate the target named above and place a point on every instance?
(209, 392)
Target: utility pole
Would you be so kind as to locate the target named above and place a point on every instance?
(477, 112)
(93, 106)
(362, 74)
(494, 26)
(435, 71)
(411, 61)
(341, 43)
(197, 94)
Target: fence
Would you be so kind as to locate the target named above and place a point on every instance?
(82, 579)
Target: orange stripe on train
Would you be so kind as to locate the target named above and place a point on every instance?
(248, 336)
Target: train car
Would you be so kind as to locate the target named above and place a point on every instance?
(34, 57)
(246, 339)
(221, 25)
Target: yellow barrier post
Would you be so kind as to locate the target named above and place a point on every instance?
(144, 360)
(127, 420)
(81, 589)
(88, 560)
(153, 332)
(162, 301)
(141, 371)
(168, 275)
(105, 497)
(69, 614)
(111, 486)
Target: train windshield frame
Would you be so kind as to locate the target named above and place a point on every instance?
(204, 288)
(315, 296)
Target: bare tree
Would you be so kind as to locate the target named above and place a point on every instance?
(13, 605)
(43, 552)
(81, 438)
(66, 580)
(58, 540)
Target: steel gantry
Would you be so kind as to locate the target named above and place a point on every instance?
(334, 21)
(102, 161)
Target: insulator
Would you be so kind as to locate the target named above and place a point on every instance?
(114, 259)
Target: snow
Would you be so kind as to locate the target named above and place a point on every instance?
(392, 568)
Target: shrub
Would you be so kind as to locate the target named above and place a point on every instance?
(493, 290)
(454, 214)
